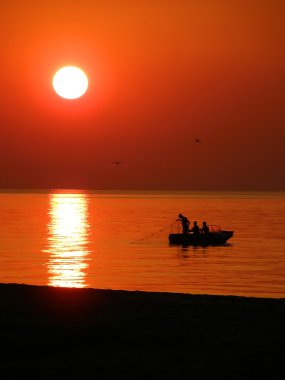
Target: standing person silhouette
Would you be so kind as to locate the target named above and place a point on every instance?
(185, 223)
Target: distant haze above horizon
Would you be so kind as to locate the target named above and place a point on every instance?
(182, 95)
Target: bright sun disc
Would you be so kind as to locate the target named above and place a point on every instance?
(70, 82)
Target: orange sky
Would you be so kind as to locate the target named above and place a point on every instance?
(161, 74)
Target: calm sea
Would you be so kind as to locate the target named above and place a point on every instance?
(116, 240)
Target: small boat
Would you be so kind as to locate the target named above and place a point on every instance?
(216, 236)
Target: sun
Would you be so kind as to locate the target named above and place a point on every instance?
(70, 82)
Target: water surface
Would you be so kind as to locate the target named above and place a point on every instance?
(119, 241)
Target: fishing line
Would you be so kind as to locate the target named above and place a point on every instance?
(169, 227)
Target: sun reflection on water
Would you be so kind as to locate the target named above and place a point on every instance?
(68, 240)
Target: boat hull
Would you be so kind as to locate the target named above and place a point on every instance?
(213, 238)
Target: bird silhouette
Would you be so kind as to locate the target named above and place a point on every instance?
(117, 162)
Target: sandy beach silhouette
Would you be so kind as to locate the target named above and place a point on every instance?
(80, 333)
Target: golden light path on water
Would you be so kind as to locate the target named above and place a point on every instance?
(68, 239)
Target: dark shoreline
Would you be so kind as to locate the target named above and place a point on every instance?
(49, 333)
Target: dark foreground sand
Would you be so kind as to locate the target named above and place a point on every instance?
(55, 333)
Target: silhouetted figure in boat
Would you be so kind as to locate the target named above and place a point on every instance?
(185, 223)
(195, 229)
(205, 229)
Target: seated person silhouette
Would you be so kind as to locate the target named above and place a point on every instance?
(205, 228)
(195, 229)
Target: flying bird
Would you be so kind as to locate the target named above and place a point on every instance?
(117, 162)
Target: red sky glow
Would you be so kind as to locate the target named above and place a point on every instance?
(161, 73)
